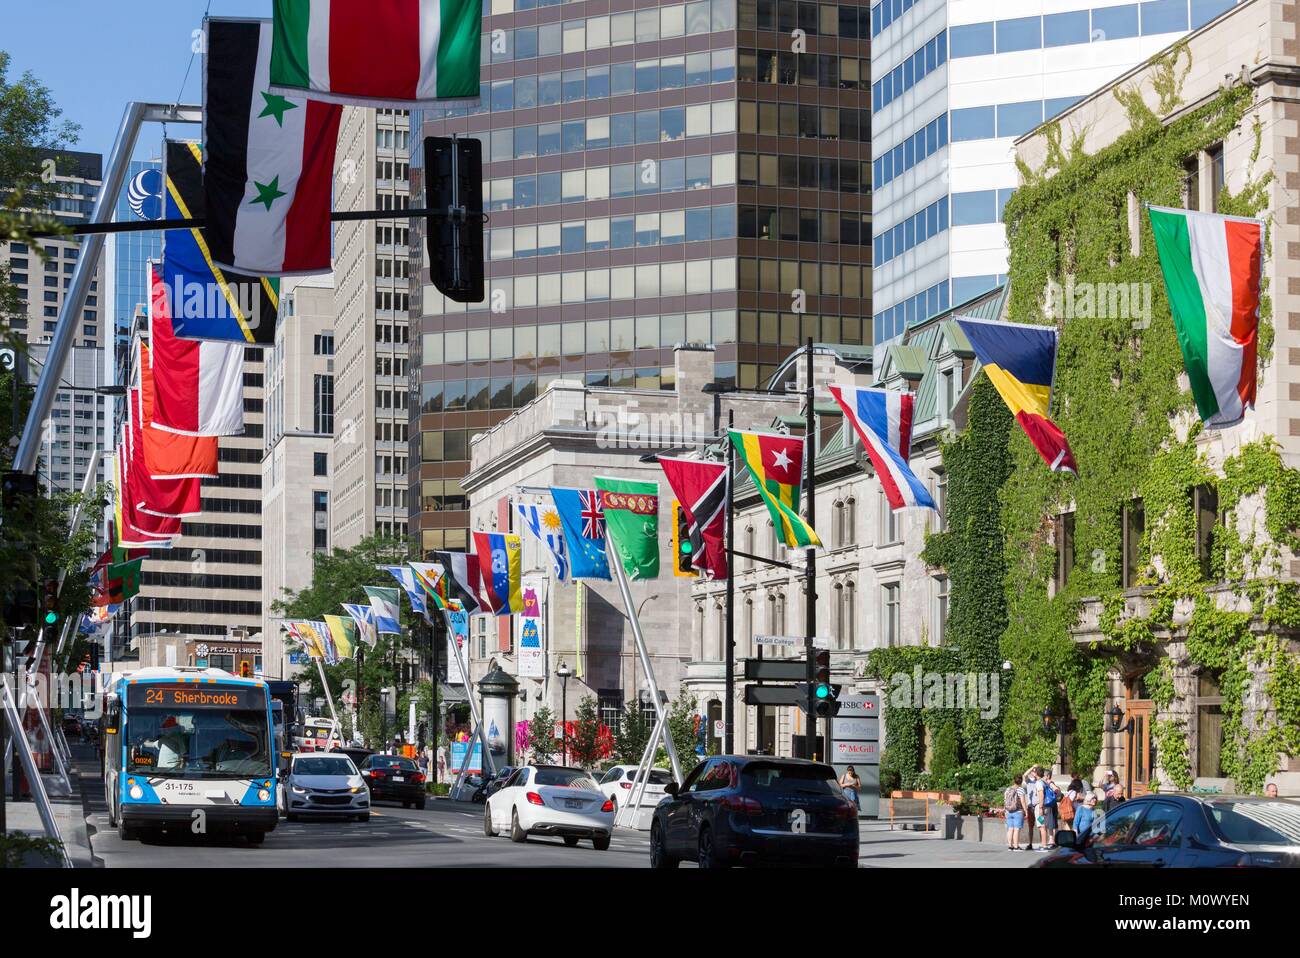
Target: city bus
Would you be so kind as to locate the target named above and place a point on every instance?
(189, 749)
(316, 733)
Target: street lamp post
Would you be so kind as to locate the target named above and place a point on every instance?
(563, 673)
(1060, 724)
(1118, 724)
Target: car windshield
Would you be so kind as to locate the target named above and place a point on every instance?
(1257, 823)
(657, 776)
(387, 761)
(323, 766)
(565, 777)
(790, 779)
(198, 743)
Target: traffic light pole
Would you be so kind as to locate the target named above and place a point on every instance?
(810, 581)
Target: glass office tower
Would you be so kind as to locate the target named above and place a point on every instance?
(654, 174)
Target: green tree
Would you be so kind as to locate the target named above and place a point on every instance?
(632, 735)
(584, 743)
(542, 745)
(681, 723)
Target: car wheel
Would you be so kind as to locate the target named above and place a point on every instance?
(659, 857)
(708, 852)
(256, 838)
(517, 834)
(488, 830)
(112, 815)
(406, 804)
(600, 843)
(571, 840)
(125, 831)
(363, 817)
(290, 817)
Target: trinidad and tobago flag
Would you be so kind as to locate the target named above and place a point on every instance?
(701, 489)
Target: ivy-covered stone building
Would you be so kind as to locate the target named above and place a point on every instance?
(1164, 578)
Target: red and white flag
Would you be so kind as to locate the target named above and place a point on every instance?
(198, 384)
(701, 491)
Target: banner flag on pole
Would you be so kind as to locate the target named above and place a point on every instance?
(632, 514)
(208, 302)
(544, 523)
(344, 633)
(462, 578)
(393, 53)
(411, 586)
(500, 564)
(384, 602)
(428, 579)
(268, 174)
(582, 517)
(364, 617)
(701, 489)
(167, 498)
(198, 384)
(1212, 266)
(774, 462)
(1020, 362)
(169, 455)
(882, 419)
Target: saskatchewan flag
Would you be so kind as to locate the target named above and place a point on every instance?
(776, 462)
(632, 518)
(1211, 265)
(379, 53)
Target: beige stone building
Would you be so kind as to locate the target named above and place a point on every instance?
(296, 459)
(370, 457)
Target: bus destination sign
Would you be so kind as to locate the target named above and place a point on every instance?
(195, 696)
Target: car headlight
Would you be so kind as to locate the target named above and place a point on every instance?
(299, 791)
(355, 789)
(263, 795)
(136, 792)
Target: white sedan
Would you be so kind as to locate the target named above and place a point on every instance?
(550, 800)
(619, 785)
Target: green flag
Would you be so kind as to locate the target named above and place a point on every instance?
(632, 515)
(127, 574)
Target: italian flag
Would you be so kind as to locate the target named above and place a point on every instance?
(1211, 265)
(269, 166)
(377, 53)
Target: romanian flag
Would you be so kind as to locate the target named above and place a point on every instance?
(1020, 362)
(776, 463)
(500, 565)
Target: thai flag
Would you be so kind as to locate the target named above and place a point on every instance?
(883, 419)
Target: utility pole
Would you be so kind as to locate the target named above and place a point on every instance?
(810, 580)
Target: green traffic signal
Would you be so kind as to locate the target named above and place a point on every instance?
(823, 691)
(686, 547)
(51, 617)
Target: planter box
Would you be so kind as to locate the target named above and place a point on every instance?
(975, 828)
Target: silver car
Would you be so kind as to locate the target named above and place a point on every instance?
(324, 783)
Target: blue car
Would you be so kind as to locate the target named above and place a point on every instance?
(1186, 831)
(755, 810)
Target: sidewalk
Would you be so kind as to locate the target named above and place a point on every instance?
(881, 848)
(70, 812)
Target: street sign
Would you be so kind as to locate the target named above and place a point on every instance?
(855, 729)
(791, 641)
(855, 753)
(859, 706)
(719, 729)
(777, 695)
(776, 670)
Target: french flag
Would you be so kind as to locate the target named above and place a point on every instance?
(883, 418)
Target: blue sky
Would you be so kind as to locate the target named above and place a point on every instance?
(97, 55)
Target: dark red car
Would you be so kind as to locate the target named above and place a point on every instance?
(394, 778)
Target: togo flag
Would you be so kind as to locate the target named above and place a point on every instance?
(269, 165)
(1211, 265)
(380, 53)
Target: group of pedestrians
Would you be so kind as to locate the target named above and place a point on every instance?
(1036, 797)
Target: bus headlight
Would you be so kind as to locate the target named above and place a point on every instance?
(263, 795)
(136, 792)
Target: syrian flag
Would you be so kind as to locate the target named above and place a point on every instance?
(269, 165)
(198, 385)
(701, 490)
(1212, 266)
(380, 53)
(882, 418)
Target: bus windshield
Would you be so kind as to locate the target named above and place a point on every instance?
(198, 743)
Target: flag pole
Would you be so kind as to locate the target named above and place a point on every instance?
(626, 590)
(337, 730)
(810, 581)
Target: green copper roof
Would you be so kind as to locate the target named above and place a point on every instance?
(907, 360)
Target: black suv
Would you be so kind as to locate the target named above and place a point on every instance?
(394, 778)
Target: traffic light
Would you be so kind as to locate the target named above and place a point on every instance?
(826, 695)
(453, 188)
(683, 547)
(245, 669)
(51, 615)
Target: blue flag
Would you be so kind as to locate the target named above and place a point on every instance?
(582, 516)
(384, 602)
(406, 577)
(544, 523)
(364, 617)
